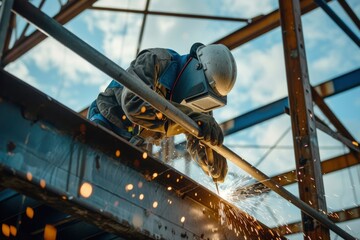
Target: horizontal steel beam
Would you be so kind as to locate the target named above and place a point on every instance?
(327, 89)
(171, 14)
(51, 153)
(327, 166)
(54, 29)
(323, 4)
(339, 216)
(68, 12)
(350, 143)
(259, 26)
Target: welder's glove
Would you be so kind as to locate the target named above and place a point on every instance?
(210, 129)
(217, 170)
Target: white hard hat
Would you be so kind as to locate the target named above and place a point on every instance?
(219, 66)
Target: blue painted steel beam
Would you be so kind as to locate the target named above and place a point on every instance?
(338, 21)
(48, 152)
(274, 109)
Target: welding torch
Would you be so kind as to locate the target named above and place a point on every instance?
(210, 163)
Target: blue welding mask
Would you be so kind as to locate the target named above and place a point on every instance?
(206, 79)
(192, 89)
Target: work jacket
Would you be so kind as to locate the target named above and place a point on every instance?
(128, 115)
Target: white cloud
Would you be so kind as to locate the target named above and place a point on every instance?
(248, 9)
(165, 26)
(268, 74)
(20, 70)
(328, 61)
(137, 4)
(50, 56)
(120, 34)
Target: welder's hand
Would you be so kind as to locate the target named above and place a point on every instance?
(217, 170)
(211, 131)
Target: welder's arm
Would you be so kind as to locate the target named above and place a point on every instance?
(216, 169)
(146, 67)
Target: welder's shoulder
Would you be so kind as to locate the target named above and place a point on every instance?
(159, 53)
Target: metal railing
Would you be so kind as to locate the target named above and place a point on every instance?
(52, 28)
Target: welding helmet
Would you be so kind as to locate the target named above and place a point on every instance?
(206, 79)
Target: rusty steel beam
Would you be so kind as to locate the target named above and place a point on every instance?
(171, 14)
(327, 166)
(307, 157)
(330, 115)
(351, 144)
(5, 20)
(73, 8)
(8, 33)
(68, 12)
(338, 217)
(260, 26)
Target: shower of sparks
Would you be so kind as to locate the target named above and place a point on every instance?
(240, 188)
(244, 194)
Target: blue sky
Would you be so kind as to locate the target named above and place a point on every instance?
(69, 79)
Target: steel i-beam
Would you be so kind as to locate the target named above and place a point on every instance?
(49, 152)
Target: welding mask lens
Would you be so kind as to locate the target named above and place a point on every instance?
(193, 90)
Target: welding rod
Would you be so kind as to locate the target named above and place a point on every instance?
(210, 162)
(52, 28)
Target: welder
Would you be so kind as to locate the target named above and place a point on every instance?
(196, 83)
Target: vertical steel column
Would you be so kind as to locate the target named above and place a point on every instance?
(306, 148)
(5, 11)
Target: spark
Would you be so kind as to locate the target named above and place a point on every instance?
(50, 232)
(159, 115)
(117, 153)
(5, 229)
(29, 212)
(86, 190)
(29, 176)
(42, 183)
(129, 187)
(13, 230)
